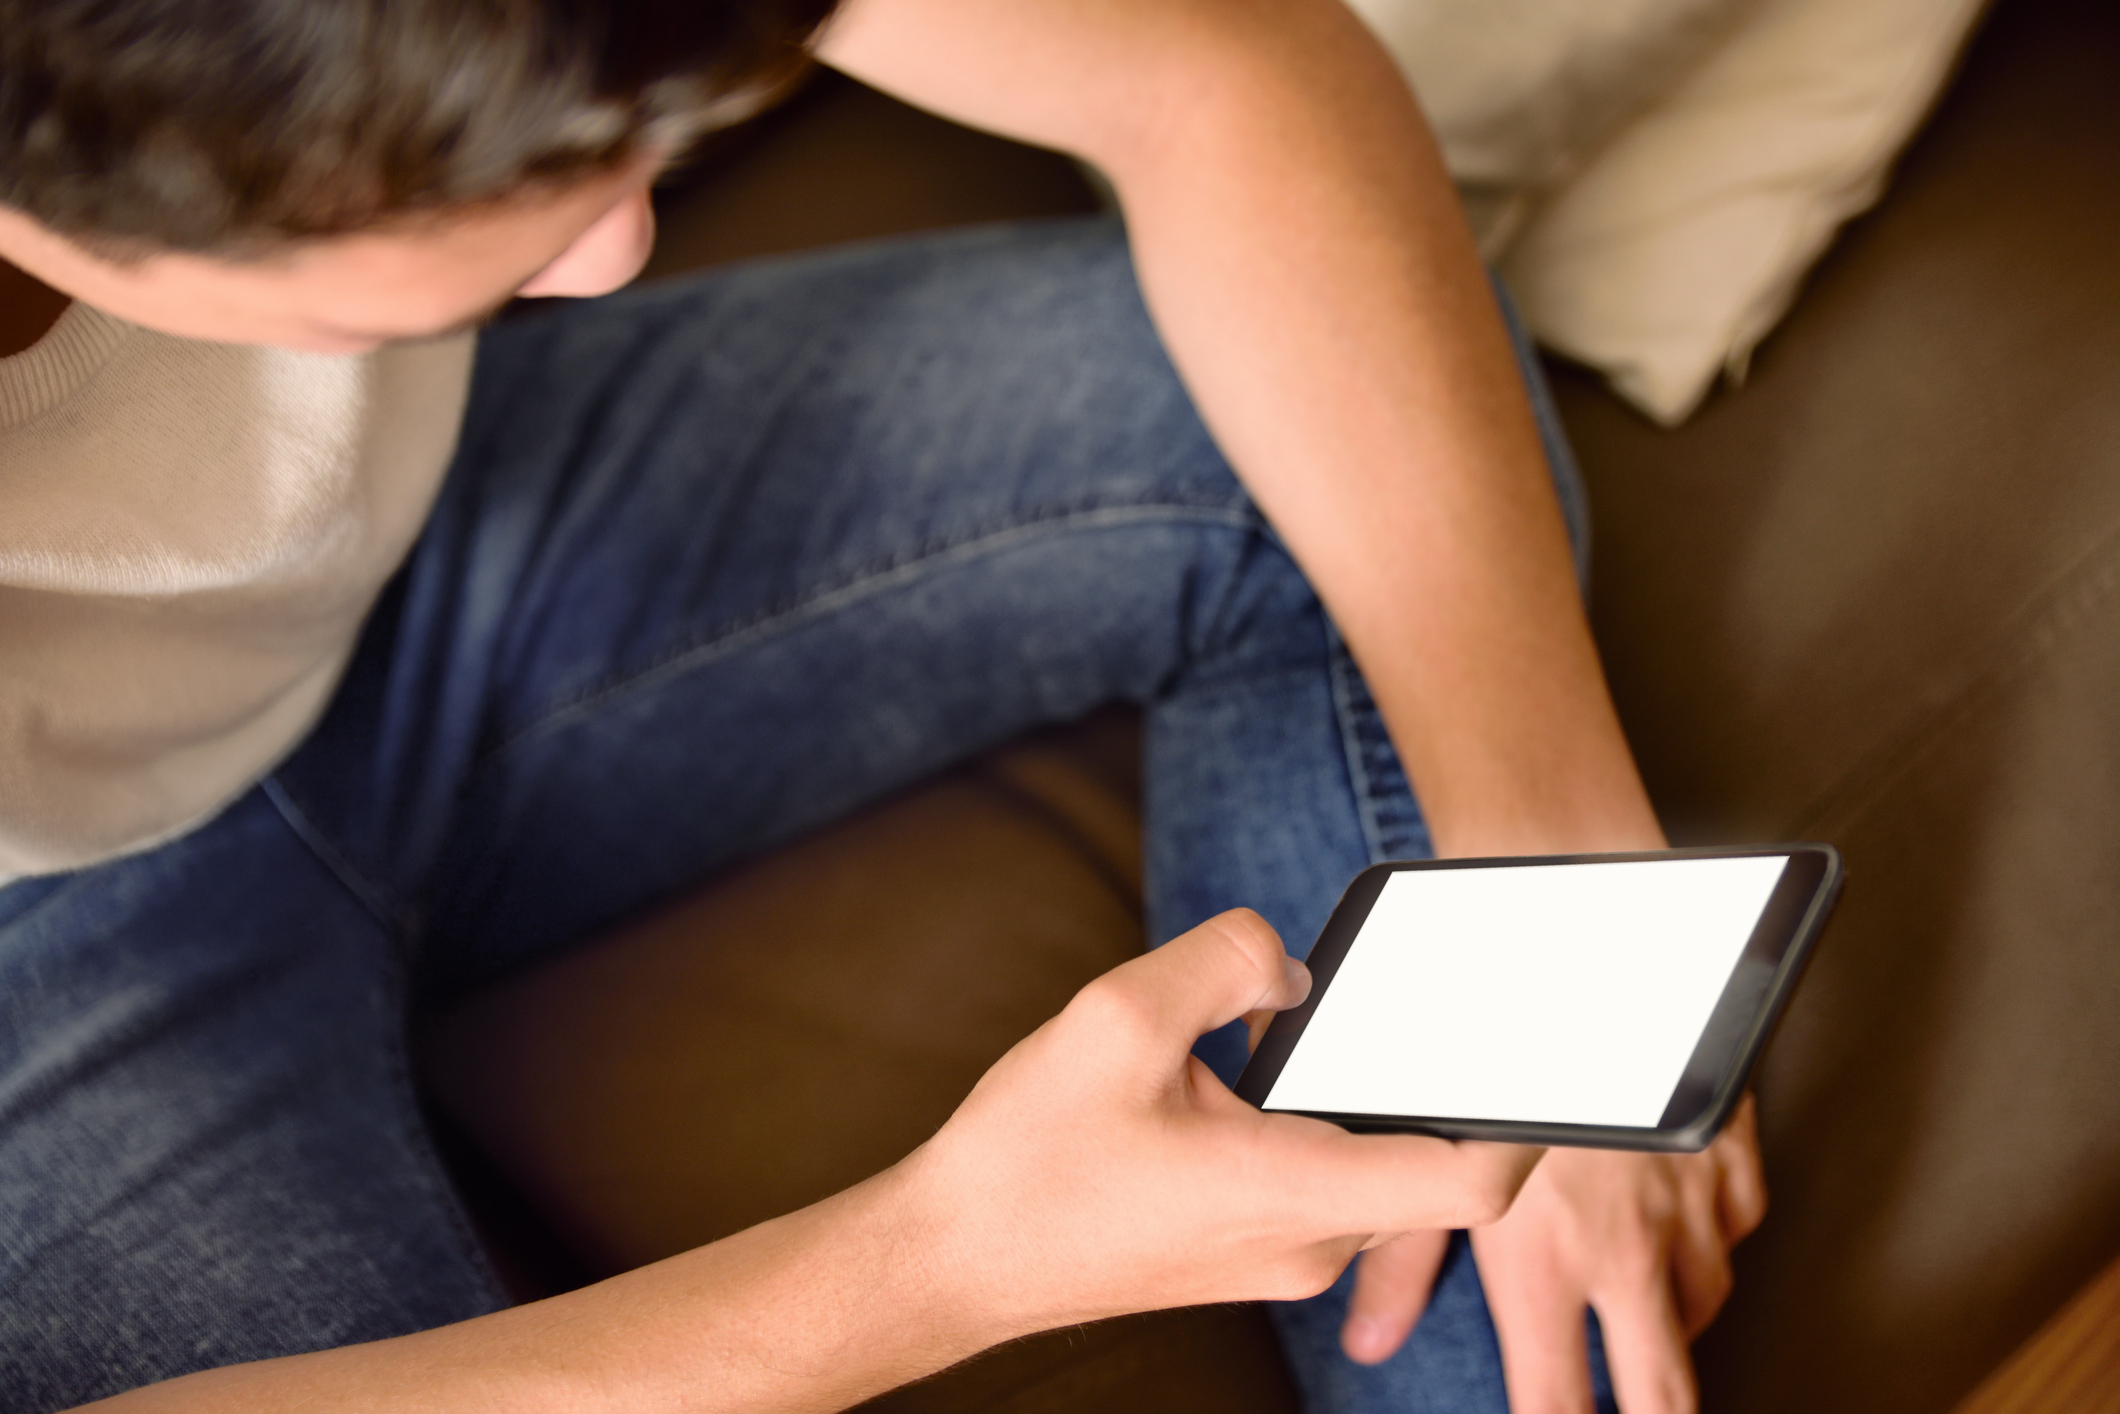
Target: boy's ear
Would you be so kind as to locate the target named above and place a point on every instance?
(28, 309)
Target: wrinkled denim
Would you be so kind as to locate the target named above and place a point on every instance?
(717, 562)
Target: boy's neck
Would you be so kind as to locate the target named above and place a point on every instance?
(28, 309)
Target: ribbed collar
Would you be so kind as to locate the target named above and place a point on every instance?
(51, 370)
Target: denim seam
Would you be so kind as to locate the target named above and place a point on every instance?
(895, 573)
(419, 1143)
(397, 1062)
(1343, 705)
(365, 892)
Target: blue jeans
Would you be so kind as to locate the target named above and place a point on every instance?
(717, 562)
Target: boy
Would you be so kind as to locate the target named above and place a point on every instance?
(290, 714)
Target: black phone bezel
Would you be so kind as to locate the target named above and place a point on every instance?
(1737, 1031)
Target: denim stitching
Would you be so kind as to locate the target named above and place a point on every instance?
(419, 1144)
(889, 574)
(1392, 823)
(1357, 766)
(397, 1060)
(417, 1136)
(366, 893)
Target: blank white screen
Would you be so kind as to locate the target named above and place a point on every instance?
(1557, 993)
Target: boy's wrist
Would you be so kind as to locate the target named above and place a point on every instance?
(965, 1265)
(947, 1284)
(1618, 820)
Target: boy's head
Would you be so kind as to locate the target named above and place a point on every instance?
(144, 143)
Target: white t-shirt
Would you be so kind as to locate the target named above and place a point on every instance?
(190, 536)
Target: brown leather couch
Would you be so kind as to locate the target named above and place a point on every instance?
(1872, 597)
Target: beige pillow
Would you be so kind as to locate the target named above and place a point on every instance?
(1670, 255)
(1654, 177)
(1519, 90)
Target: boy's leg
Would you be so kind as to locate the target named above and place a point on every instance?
(721, 562)
(209, 1150)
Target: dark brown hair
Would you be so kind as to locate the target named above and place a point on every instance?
(233, 125)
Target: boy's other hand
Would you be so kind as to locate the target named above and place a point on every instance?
(1099, 1168)
(1643, 1239)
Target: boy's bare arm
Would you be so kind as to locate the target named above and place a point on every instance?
(1302, 252)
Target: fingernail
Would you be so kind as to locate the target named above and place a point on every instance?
(1298, 976)
(1362, 1337)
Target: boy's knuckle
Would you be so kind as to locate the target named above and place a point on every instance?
(1251, 942)
(1483, 1205)
(1638, 1259)
(1485, 1202)
(1113, 1012)
(1487, 1191)
(1306, 1276)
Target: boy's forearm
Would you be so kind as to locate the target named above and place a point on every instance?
(1307, 261)
(814, 1311)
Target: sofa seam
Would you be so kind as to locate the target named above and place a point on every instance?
(2028, 640)
(1029, 803)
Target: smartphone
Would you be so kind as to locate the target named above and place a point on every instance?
(1614, 1001)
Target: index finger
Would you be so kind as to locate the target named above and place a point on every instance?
(1231, 965)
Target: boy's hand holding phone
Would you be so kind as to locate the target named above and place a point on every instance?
(1099, 1168)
